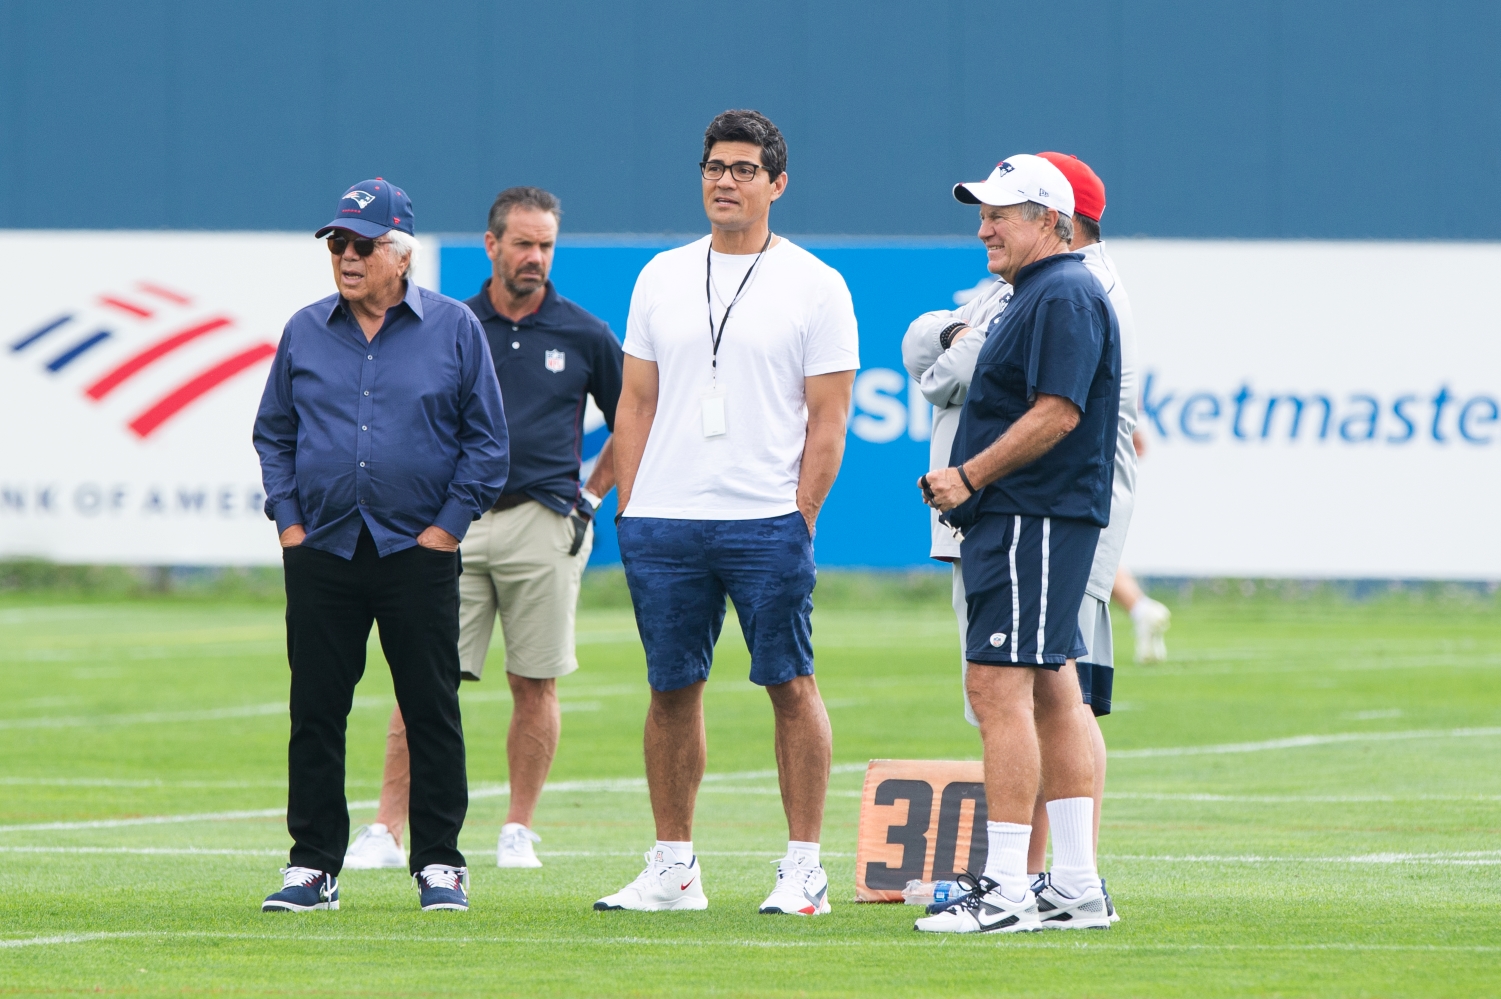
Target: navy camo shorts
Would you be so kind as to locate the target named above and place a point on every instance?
(679, 572)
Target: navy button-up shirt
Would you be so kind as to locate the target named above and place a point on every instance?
(396, 433)
(547, 363)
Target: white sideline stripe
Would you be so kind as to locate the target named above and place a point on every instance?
(1466, 858)
(1301, 741)
(1042, 605)
(885, 943)
(1016, 605)
(490, 791)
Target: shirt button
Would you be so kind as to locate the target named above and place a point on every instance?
(514, 328)
(515, 344)
(364, 428)
(367, 391)
(362, 464)
(369, 357)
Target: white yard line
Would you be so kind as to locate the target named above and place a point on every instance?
(323, 941)
(146, 851)
(627, 784)
(1299, 799)
(1466, 858)
(1303, 741)
(168, 717)
(148, 820)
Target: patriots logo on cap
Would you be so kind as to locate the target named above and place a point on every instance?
(361, 198)
(1002, 168)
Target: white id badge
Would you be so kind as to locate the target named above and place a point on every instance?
(714, 413)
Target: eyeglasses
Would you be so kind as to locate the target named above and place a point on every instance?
(743, 171)
(364, 247)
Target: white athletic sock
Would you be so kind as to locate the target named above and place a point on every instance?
(1006, 863)
(668, 852)
(1072, 823)
(802, 854)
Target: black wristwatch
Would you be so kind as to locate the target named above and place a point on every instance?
(946, 337)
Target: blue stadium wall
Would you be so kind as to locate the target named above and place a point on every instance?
(1259, 119)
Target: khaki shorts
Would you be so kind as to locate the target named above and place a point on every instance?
(516, 562)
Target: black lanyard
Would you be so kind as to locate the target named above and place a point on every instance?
(709, 299)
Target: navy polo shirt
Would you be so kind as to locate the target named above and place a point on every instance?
(1058, 336)
(547, 363)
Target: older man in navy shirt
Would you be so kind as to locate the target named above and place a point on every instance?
(381, 437)
(1030, 486)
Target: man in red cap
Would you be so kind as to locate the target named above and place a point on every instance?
(939, 351)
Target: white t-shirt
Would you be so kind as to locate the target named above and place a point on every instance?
(793, 320)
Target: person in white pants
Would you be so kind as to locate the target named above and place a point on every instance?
(939, 352)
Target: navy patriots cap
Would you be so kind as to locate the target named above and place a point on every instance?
(372, 208)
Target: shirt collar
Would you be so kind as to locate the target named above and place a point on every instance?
(412, 299)
(1037, 266)
(484, 309)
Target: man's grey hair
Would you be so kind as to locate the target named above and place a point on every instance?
(521, 197)
(1064, 230)
(405, 248)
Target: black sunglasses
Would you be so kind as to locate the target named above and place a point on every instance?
(364, 247)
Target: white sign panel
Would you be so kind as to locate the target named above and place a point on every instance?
(1317, 409)
(131, 366)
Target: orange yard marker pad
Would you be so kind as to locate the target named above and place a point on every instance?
(919, 820)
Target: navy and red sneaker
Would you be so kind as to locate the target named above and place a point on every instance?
(443, 887)
(303, 890)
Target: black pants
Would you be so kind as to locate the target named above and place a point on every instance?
(413, 595)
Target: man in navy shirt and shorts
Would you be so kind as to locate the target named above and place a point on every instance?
(1029, 485)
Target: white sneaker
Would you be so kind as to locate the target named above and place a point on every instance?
(515, 846)
(1151, 620)
(802, 890)
(1088, 911)
(374, 847)
(984, 910)
(661, 887)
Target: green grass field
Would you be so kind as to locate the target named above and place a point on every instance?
(1305, 801)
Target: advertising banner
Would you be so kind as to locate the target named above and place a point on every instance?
(131, 365)
(1311, 409)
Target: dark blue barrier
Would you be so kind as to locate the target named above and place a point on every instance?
(874, 516)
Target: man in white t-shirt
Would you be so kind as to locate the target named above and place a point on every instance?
(740, 355)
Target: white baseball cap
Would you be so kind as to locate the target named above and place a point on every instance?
(1020, 178)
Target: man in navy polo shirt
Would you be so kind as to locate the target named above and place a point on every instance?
(381, 438)
(525, 557)
(1030, 487)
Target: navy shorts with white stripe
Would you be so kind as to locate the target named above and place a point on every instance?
(1024, 579)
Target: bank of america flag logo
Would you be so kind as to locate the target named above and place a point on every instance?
(123, 340)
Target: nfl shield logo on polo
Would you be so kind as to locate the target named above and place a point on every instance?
(554, 360)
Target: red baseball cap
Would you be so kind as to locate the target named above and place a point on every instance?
(1089, 189)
